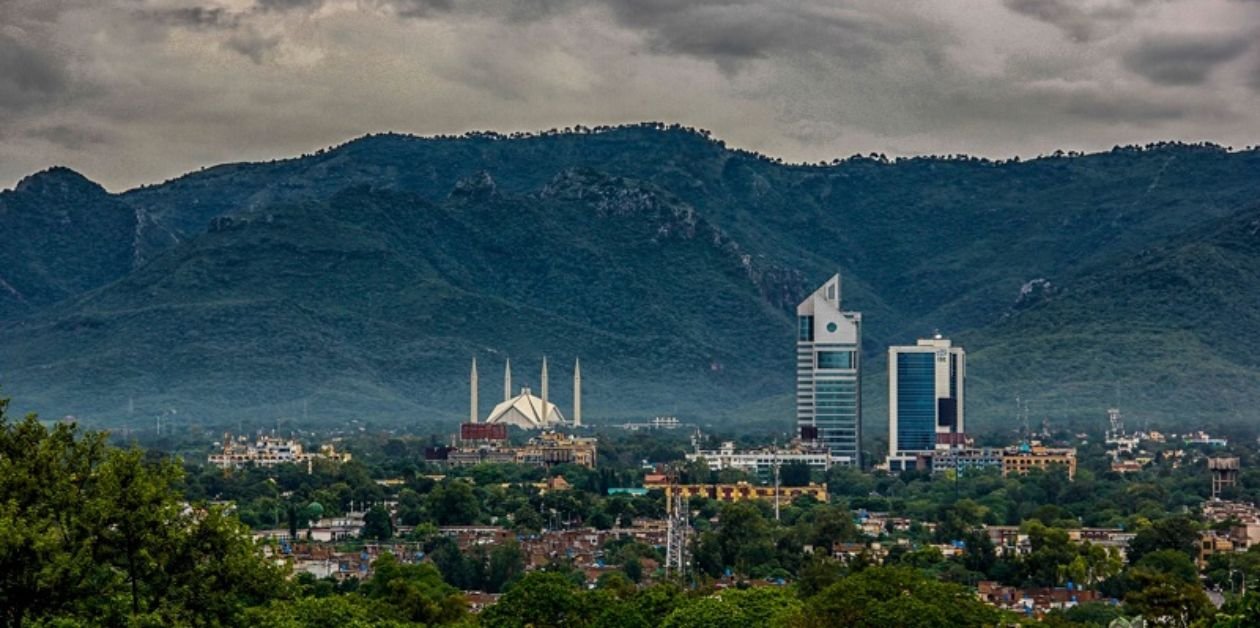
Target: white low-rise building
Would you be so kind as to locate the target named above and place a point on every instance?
(765, 460)
(269, 451)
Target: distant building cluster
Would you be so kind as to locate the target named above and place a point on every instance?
(1129, 455)
(926, 403)
(656, 423)
(269, 451)
(1242, 534)
(485, 440)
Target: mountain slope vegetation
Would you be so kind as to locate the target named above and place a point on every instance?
(358, 281)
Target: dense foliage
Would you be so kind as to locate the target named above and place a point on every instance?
(92, 534)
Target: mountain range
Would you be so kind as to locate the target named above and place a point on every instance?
(358, 281)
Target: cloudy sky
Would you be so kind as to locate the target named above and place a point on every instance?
(137, 91)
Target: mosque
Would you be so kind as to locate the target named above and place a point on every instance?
(526, 410)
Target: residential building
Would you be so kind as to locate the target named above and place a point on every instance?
(545, 449)
(966, 459)
(1212, 542)
(739, 491)
(1019, 460)
(926, 388)
(269, 451)
(764, 460)
(828, 373)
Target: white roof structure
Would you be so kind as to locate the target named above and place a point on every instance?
(526, 412)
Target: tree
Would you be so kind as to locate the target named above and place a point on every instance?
(633, 569)
(506, 563)
(342, 611)
(540, 599)
(1240, 612)
(1171, 563)
(818, 574)
(736, 609)
(1173, 533)
(831, 525)
(1091, 613)
(1052, 554)
(454, 567)
(377, 524)
(744, 537)
(93, 532)
(526, 519)
(1166, 601)
(896, 596)
(414, 592)
(453, 503)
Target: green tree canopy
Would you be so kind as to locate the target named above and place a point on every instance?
(896, 596)
(541, 600)
(93, 532)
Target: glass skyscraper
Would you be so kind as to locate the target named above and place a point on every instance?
(925, 399)
(828, 367)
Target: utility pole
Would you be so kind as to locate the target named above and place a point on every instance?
(776, 483)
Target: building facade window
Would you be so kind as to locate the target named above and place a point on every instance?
(805, 328)
(835, 359)
(916, 401)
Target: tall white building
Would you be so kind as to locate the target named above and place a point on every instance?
(926, 389)
(828, 368)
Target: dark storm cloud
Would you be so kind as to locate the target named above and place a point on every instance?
(508, 11)
(1184, 60)
(725, 31)
(422, 8)
(67, 136)
(1080, 20)
(288, 5)
(29, 73)
(732, 31)
(132, 91)
(194, 17)
(236, 30)
(253, 45)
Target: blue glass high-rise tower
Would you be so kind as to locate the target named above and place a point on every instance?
(926, 387)
(828, 368)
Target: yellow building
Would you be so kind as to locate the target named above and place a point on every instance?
(551, 448)
(739, 491)
(1212, 543)
(1019, 460)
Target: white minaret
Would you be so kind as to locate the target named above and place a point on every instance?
(544, 391)
(472, 386)
(577, 393)
(507, 379)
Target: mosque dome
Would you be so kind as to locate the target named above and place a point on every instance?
(526, 411)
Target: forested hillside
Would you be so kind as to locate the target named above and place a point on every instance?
(358, 281)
